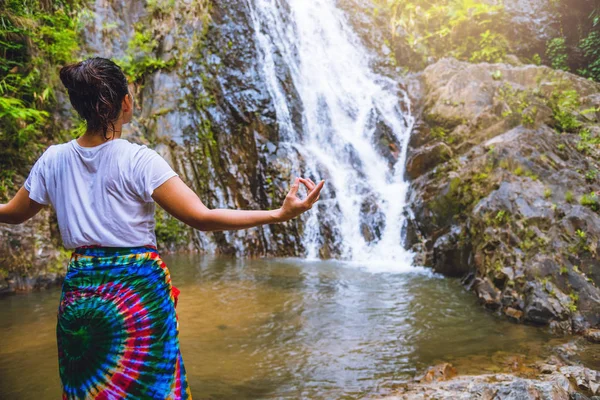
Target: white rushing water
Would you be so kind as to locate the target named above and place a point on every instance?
(342, 99)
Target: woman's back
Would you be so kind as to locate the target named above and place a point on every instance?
(102, 195)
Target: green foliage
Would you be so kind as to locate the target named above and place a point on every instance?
(590, 200)
(587, 142)
(160, 6)
(141, 58)
(169, 231)
(556, 52)
(590, 176)
(60, 262)
(563, 270)
(591, 50)
(501, 217)
(440, 133)
(460, 28)
(569, 196)
(477, 31)
(492, 48)
(590, 46)
(574, 296)
(572, 306)
(519, 109)
(565, 103)
(518, 171)
(547, 193)
(36, 37)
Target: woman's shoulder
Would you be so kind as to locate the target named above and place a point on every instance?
(133, 147)
(54, 150)
(137, 155)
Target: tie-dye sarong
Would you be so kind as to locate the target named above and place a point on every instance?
(117, 328)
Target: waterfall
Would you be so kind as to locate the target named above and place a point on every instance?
(346, 108)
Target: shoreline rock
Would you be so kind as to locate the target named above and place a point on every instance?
(513, 211)
(554, 381)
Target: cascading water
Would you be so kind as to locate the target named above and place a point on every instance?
(344, 104)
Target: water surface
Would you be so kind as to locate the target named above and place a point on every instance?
(265, 329)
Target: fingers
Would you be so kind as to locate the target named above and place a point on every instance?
(294, 188)
(314, 194)
(314, 191)
(310, 180)
(310, 185)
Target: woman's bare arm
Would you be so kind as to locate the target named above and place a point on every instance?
(19, 209)
(180, 201)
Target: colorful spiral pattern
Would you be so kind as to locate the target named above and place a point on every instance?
(117, 328)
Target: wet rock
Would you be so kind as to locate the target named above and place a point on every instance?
(579, 396)
(488, 295)
(449, 256)
(593, 335)
(513, 314)
(548, 368)
(28, 256)
(489, 387)
(585, 379)
(540, 307)
(549, 380)
(372, 220)
(386, 141)
(427, 158)
(438, 373)
(536, 20)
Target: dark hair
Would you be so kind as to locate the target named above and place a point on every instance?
(96, 89)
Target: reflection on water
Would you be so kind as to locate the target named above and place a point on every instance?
(258, 329)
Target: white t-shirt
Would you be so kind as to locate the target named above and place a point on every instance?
(102, 195)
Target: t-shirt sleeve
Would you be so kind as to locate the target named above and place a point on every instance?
(150, 172)
(36, 181)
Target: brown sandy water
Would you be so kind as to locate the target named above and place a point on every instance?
(289, 329)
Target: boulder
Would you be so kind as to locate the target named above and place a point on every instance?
(513, 206)
(426, 158)
(593, 335)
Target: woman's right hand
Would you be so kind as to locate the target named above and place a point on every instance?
(293, 206)
(176, 198)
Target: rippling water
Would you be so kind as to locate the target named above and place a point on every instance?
(263, 329)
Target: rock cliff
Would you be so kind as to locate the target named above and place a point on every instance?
(504, 170)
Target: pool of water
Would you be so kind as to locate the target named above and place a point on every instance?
(265, 329)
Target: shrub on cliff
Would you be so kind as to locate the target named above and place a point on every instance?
(464, 29)
(36, 37)
(478, 31)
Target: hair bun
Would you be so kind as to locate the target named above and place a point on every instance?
(69, 77)
(96, 88)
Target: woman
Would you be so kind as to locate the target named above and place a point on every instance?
(117, 328)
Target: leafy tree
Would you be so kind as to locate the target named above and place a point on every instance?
(36, 37)
(591, 47)
(557, 53)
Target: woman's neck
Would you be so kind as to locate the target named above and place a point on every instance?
(93, 139)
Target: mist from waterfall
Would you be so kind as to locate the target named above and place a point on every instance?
(343, 103)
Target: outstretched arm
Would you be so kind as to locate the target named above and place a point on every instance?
(19, 209)
(180, 201)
